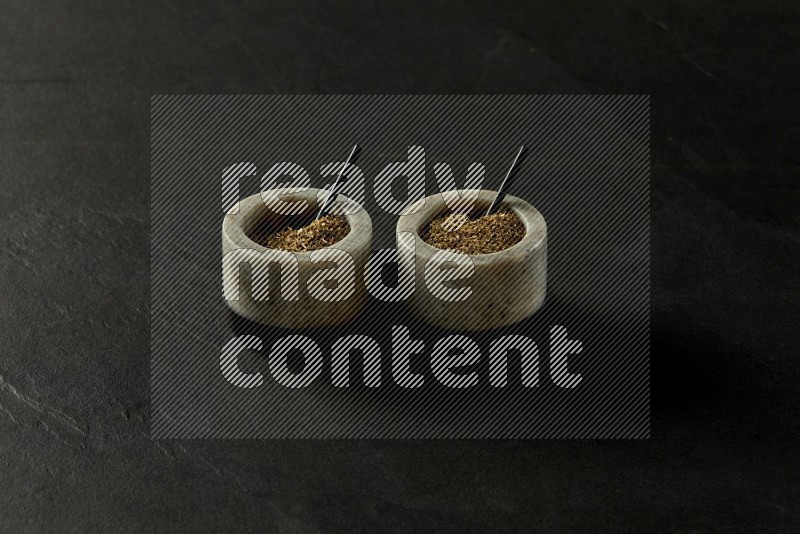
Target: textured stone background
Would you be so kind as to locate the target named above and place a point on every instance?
(75, 86)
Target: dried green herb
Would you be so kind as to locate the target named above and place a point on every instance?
(484, 235)
(321, 233)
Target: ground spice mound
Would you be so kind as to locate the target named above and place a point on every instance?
(484, 235)
(321, 233)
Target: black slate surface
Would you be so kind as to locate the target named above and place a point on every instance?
(75, 85)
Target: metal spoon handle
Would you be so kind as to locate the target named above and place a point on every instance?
(340, 179)
(507, 181)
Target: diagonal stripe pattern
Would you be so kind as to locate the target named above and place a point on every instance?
(587, 172)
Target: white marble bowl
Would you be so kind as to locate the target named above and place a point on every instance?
(507, 286)
(281, 308)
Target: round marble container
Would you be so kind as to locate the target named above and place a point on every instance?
(281, 308)
(507, 286)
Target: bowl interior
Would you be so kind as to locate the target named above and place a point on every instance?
(263, 222)
(479, 208)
